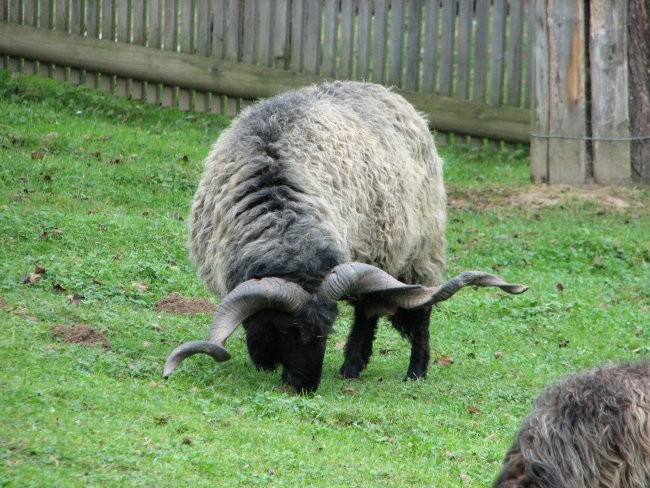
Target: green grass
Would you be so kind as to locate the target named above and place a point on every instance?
(96, 190)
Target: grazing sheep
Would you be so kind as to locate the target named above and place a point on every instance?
(590, 430)
(317, 195)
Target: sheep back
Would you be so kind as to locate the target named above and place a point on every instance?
(346, 166)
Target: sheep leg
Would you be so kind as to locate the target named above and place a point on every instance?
(414, 325)
(358, 348)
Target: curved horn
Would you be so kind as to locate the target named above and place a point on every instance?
(472, 278)
(242, 302)
(358, 278)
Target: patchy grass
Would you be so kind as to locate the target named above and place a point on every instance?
(94, 192)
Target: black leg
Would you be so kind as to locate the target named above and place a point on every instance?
(414, 325)
(359, 346)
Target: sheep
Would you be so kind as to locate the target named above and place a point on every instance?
(325, 193)
(590, 430)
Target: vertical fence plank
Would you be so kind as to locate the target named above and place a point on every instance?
(380, 41)
(60, 24)
(396, 45)
(330, 34)
(249, 33)
(218, 48)
(203, 43)
(297, 24)
(77, 26)
(464, 48)
(170, 43)
(497, 54)
(609, 91)
(265, 34)
(364, 39)
(567, 105)
(311, 51)
(93, 29)
(447, 54)
(233, 30)
(413, 45)
(481, 50)
(154, 41)
(530, 41)
(540, 120)
(430, 57)
(281, 34)
(138, 88)
(514, 53)
(347, 39)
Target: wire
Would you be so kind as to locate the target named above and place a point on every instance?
(587, 138)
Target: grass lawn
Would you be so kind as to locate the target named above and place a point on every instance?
(94, 195)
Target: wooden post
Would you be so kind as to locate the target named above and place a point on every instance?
(639, 82)
(558, 146)
(609, 92)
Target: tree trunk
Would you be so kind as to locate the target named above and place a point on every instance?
(639, 80)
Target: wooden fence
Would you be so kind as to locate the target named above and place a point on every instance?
(591, 123)
(463, 62)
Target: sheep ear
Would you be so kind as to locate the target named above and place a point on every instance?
(242, 302)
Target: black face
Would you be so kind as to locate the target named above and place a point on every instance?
(297, 343)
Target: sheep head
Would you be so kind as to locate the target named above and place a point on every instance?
(345, 281)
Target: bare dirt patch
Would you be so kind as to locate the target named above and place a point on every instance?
(80, 334)
(177, 304)
(539, 196)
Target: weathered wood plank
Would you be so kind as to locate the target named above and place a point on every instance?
(638, 48)
(431, 44)
(396, 43)
(203, 16)
(497, 64)
(233, 33)
(413, 45)
(281, 33)
(264, 53)
(465, 8)
(514, 53)
(297, 24)
(347, 39)
(379, 46)
(479, 87)
(219, 29)
(610, 117)
(364, 41)
(447, 54)
(239, 79)
(567, 152)
(249, 34)
(330, 35)
(311, 50)
(539, 163)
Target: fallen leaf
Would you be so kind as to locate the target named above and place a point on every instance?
(559, 287)
(340, 345)
(39, 269)
(75, 299)
(444, 360)
(141, 286)
(349, 390)
(37, 154)
(186, 441)
(59, 287)
(498, 354)
(473, 410)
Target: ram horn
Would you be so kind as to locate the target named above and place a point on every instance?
(471, 278)
(243, 301)
(351, 279)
